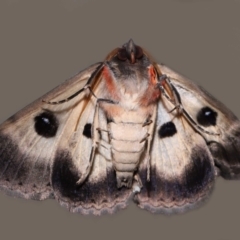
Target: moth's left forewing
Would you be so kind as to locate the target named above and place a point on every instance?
(98, 193)
(27, 148)
(45, 149)
(214, 117)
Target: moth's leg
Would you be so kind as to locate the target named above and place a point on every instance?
(149, 138)
(102, 142)
(95, 140)
(166, 85)
(88, 85)
(167, 88)
(104, 148)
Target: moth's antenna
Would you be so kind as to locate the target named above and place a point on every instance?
(88, 85)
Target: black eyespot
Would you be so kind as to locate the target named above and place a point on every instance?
(207, 117)
(168, 129)
(46, 124)
(87, 131)
(109, 120)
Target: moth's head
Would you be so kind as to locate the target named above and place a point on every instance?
(129, 61)
(132, 72)
(130, 52)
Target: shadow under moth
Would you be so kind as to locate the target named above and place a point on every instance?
(125, 128)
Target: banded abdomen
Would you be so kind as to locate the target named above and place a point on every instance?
(127, 148)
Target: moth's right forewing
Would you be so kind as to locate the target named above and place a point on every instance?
(225, 145)
(182, 170)
(27, 150)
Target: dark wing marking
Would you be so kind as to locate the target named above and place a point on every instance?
(182, 170)
(29, 140)
(98, 193)
(209, 113)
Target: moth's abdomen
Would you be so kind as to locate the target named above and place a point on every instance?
(127, 148)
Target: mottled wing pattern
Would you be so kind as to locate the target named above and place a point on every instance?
(30, 138)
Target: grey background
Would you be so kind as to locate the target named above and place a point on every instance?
(44, 42)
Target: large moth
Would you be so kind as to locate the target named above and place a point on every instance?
(125, 128)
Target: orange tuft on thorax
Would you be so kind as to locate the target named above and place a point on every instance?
(153, 93)
(110, 85)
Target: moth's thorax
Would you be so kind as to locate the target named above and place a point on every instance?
(134, 95)
(131, 85)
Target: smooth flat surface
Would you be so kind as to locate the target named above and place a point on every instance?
(42, 43)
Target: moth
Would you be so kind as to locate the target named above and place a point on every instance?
(125, 128)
